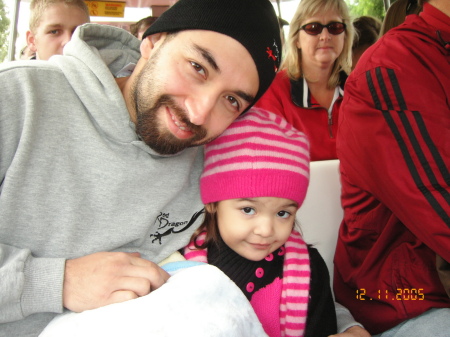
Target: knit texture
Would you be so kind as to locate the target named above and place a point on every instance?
(259, 155)
(294, 294)
(249, 275)
(253, 23)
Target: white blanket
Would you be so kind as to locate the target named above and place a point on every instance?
(196, 301)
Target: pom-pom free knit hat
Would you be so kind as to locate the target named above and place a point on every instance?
(259, 155)
(253, 23)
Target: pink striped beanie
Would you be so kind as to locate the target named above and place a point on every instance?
(258, 155)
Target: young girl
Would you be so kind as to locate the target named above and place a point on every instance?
(255, 178)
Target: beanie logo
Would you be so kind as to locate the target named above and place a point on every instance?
(164, 227)
(274, 54)
(270, 53)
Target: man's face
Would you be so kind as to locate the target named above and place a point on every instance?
(194, 85)
(55, 29)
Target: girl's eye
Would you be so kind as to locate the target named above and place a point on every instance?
(284, 214)
(248, 210)
(54, 32)
(198, 68)
(234, 102)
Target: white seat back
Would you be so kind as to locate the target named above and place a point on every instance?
(321, 214)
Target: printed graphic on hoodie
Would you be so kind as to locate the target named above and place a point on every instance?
(164, 226)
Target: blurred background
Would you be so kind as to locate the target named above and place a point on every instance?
(14, 16)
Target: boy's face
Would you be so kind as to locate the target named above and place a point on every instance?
(189, 89)
(55, 29)
(256, 227)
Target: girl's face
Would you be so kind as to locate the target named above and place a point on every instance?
(256, 227)
(323, 49)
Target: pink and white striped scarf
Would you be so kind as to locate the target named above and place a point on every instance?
(295, 286)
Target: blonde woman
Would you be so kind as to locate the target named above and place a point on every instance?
(309, 88)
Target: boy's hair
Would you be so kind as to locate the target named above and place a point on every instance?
(306, 9)
(38, 7)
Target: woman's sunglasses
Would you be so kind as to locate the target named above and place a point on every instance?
(315, 28)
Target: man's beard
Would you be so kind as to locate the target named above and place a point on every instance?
(147, 105)
(163, 141)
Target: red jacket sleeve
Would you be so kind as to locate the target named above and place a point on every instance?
(395, 139)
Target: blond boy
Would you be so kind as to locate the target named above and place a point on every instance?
(52, 23)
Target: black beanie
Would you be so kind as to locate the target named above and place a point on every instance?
(253, 23)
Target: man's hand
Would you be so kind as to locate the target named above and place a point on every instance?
(354, 331)
(104, 278)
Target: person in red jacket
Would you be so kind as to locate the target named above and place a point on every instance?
(308, 90)
(394, 151)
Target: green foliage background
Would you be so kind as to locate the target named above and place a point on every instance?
(367, 7)
(4, 31)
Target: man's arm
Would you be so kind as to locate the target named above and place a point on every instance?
(396, 124)
(29, 285)
(104, 278)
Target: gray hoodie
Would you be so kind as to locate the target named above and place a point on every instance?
(74, 177)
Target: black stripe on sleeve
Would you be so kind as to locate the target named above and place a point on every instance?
(435, 153)
(397, 90)
(421, 157)
(373, 92)
(411, 138)
(383, 89)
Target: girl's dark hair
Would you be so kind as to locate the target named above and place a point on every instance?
(209, 225)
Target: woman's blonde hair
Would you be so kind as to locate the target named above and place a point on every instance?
(306, 9)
